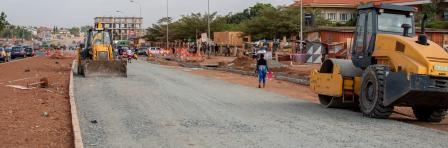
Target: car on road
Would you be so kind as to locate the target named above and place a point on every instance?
(155, 51)
(30, 52)
(142, 50)
(18, 51)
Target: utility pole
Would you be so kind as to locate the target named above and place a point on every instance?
(167, 24)
(208, 24)
(139, 5)
(301, 25)
(140, 15)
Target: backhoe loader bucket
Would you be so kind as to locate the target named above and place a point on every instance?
(116, 68)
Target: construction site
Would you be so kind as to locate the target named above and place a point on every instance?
(380, 82)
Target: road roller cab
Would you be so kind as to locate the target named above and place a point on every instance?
(390, 66)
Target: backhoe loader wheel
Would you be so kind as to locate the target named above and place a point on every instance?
(80, 70)
(429, 114)
(372, 93)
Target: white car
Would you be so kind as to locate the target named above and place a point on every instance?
(154, 51)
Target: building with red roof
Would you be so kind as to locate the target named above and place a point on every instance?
(344, 10)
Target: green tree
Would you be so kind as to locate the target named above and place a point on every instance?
(55, 30)
(12, 31)
(157, 31)
(273, 23)
(74, 31)
(188, 27)
(248, 13)
(85, 29)
(3, 21)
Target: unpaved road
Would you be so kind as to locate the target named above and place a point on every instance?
(159, 106)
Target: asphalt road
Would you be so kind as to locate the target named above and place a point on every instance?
(158, 106)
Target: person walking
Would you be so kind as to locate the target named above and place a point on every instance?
(262, 69)
(130, 55)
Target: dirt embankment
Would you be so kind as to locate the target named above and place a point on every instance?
(31, 116)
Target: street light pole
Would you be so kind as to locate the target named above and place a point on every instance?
(167, 24)
(301, 25)
(139, 6)
(140, 15)
(208, 25)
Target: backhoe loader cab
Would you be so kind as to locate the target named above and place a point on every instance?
(390, 66)
(96, 58)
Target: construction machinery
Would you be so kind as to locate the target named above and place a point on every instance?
(96, 56)
(390, 66)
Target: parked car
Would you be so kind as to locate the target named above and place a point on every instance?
(18, 51)
(30, 52)
(154, 51)
(142, 51)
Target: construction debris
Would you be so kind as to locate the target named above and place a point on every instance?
(43, 83)
(45, 114)
(19, 87)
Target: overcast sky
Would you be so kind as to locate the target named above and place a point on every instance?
(68, 13)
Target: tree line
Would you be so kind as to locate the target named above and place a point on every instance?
(261, 21)
(8, 30)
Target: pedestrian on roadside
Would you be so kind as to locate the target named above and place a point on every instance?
(227, 52)
(130, 55)
(261, 70)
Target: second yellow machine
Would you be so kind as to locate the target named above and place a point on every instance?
(96, 56)
(391, 66)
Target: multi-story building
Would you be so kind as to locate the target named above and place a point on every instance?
(44, 33)
(123, 28)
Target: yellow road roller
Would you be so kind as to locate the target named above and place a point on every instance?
(391, 65)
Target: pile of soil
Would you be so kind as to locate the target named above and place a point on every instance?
(162, 61)
(243, 62)
(35, 116)
(302, 70)
(57, 56)
(151, 59)
(279, 69)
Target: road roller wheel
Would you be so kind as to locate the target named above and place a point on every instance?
(429, 114)
(372, 93)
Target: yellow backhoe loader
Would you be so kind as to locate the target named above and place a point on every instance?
(96, 57)
(390, 66)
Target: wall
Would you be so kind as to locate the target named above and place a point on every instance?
(343, 35)
(228, 38)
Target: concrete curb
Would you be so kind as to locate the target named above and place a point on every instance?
(75, 121)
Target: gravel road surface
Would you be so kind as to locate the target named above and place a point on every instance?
(159, 106)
